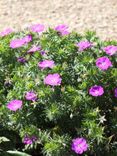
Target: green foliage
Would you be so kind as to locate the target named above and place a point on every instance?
(68, 111)
(14, 153)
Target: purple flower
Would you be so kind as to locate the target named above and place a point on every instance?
(34, 49)
(96, 91)
(115, 92)
(6, 32)
(37, 28)
(29, 140)
(103, 63)
(43, 53)
(79, 145)
(14, 105)
(63, 33)
(53, 80)
(21, 59)
(27, 38)
(82, 45)
(110, 50)
(46, 64)
(62, 29)
(16, 43)
(34, 138)
(31, 96)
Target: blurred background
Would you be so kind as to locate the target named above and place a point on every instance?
(80, 15)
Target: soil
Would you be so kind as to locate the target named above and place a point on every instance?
(80, 15)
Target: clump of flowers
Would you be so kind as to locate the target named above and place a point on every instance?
(16, 43)
(79, 145)
(27, 39)
(6, 32)
(43, 53)
(115, 92)
(14, 105)
(62, 29)
(31, 96)
(33, 49)
(37, 28)
(110, 49)
(46, 64)
(96, 90)
(72, 94)
(83, 45)
(53, 79)
(29, 140)
(103, 63)
(21, 60)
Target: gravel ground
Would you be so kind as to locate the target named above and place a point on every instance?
(80, 15)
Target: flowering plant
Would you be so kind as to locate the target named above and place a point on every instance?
(58, 92)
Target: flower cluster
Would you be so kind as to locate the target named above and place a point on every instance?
(6, 32)
(115, 92)
(62, 29)
(46, 64)
(33, 49)
(43, 53)
(103, 63)
(96, 90)
(16, 43)
(31, 96)
(79, 145)
(37, 28)
(21, 59)
(53, 79)
(14, 105)
(52, 75)
(83, 45)
(110, 50)
(29, 140)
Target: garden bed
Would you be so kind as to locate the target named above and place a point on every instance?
(58, 93)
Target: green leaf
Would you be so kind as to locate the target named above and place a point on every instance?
(17, 153)
(3, 139)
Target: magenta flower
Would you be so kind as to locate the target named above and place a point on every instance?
(53, 80)
(34, 49)
(62, 29)
(16, 43)
(63, 33)
(6, 32)
(96, 91)
(79, 145)
(21, 59)
(31, 96)
(103, 63)
(43, 53)
(14, 105)
(115, 92)
(83, 45)
(27, 38)
(29, 140)
(37, 28)
(46, 64)
(110, 50)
